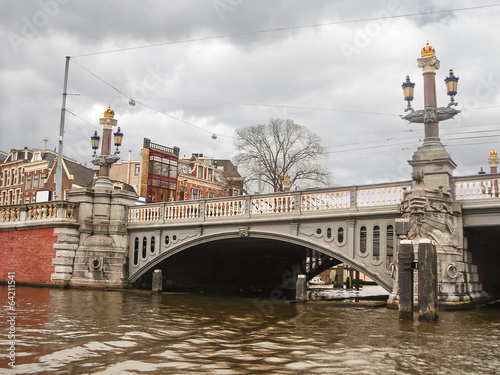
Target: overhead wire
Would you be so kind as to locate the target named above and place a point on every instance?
(266, 31)
(144, 104)
(279, 29)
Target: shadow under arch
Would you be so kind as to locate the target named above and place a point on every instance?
(188, 244)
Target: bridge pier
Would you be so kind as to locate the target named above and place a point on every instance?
(101, 257)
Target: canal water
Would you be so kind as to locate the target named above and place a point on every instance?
(136, 332)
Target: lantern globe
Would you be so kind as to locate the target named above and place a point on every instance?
(95, 140)
(451, 84)
(118, 137)
(408, 88)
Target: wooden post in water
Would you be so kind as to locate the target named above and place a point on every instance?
(301, 288)
(405, 277)
(157, 281)
(427, 281)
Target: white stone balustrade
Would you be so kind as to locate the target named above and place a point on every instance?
(182, 211)
(225, 208)
(144, 213)
(9, 214)
(477, 188)
(272, 205)
(38, 211)
(381, 196)
(325, 200)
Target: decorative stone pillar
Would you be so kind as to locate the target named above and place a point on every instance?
(430, 205)
(287, 184)
(101, 257)
(493, 161)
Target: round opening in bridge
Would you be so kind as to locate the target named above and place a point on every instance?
(95, 263)
(167, 240)
(318, 231)
(329, 233)
(174, 237)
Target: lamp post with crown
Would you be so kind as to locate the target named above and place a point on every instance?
(430, 206)
(105, 159)
(431, 115)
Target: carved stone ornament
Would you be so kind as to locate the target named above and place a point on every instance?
(430, 219)
(417, 175)
(105, 159)
(430, 114)
(244, 231)
(431, 61)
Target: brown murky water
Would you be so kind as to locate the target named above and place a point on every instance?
(95, 332)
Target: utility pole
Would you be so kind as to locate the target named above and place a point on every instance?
(59, 188)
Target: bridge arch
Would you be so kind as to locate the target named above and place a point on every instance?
(155, 247)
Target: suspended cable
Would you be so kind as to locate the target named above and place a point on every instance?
(146, 105)
(280, 29)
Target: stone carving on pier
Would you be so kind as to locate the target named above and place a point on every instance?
(432, 214)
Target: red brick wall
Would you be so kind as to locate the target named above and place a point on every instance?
(28, 253)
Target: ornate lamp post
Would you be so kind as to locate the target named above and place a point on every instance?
(105, 159)
(431, 115)
(430, 205)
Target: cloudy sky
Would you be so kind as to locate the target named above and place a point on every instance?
(202, 67)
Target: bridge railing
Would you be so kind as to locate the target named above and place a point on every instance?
(272, 204)
(38, 211)
(477, 186)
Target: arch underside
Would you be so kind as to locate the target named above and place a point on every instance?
(284, 256)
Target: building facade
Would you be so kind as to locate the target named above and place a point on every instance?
(28, 176)
(202, 177)
(158, 172)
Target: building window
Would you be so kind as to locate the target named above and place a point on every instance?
(195, 194)
(42, 180)
(200, 172)
(28, 182)
(35, 181)
(209, 174)
(137, 170)
(210, 194)
(173, 171)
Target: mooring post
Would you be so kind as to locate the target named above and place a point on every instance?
(301, 288)
(157, 281)
(356, 280)
(405, 277)
(427, 281)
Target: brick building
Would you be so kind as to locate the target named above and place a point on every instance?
(203, 177)
(26, 174)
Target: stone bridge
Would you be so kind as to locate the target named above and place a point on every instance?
(101, 239)
(351, 225)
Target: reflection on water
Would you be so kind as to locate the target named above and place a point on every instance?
(96, 332)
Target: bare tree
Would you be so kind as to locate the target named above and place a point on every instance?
(270, 151)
